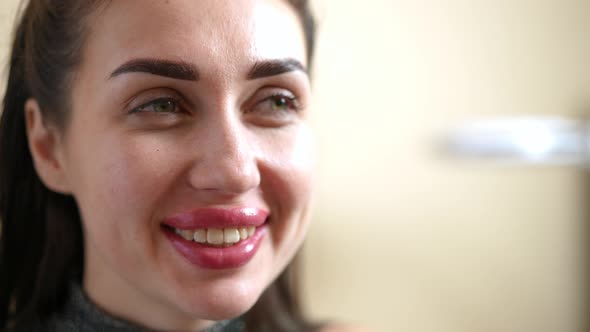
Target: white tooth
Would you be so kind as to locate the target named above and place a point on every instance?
(251, 230)
(200, 235)
(243, 233)
(177, 231)
(215, 236)
(231, 235)
(186, 234)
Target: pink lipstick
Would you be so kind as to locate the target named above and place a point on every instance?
(217, 238)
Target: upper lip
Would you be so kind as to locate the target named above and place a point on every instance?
(217, 218)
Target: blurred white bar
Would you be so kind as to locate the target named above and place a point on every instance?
(535, 140)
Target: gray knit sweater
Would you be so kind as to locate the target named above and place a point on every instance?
(81, 315)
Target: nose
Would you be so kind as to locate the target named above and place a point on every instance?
(226, 160)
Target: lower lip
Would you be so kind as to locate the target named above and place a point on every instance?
(217, 257)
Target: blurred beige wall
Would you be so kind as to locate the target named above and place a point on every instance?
(406, 241)
(403, 240)
(7, 14)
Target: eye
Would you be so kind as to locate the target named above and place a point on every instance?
(275, 108)
(282, 103)
(160, 105)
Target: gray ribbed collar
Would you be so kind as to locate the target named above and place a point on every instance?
(82, 315)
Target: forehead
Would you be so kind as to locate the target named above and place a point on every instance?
(217, 35)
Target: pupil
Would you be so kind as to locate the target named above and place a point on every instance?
(163, 106)
(280, 103)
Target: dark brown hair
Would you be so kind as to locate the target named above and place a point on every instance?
(41, 239)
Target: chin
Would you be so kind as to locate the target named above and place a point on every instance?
(224, 299)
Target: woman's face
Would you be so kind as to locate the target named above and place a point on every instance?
(188, 122)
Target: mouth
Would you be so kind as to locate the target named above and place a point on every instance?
(217, 238)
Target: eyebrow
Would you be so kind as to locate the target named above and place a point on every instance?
(185, 71)
(275, 67)
(174, 69)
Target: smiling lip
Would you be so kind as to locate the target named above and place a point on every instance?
(216, 257)
(217, 218)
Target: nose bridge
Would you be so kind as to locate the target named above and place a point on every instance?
(227, 160)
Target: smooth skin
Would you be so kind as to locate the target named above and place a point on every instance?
(139, 147)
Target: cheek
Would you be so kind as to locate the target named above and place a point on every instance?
(119, 181)
(288, 185)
